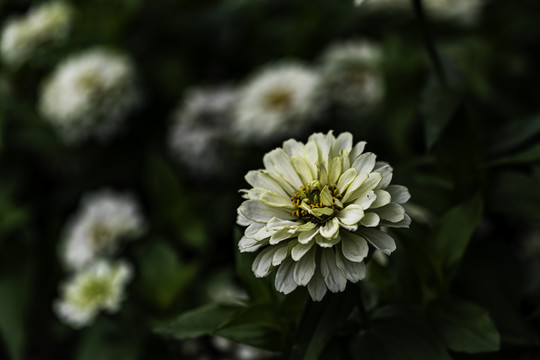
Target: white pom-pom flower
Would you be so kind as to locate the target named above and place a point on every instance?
(351, 76)
(314, 211)
(104, 219)
(99, 287)
(25, 36)
(89, 95)
(276, 102)
(200, 127)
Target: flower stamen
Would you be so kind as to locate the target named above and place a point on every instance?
(316, 203)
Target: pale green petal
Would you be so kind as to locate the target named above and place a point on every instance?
(331, 229)
(282, 166)
(302, 168)
(400, 194)
(262, 265)
(345, 180)
(321, 211)
(356, 183)
(323, 173)
(382, 198)
(312, 157)
(276, 224)
(254, 228)
(379, 239)
(300, 250)
(335, 171)
(326, 197)
(354, 247)
(257, 211)
(305, 268)
(259, 179)
(263, 233)
(242, 220)
(405, 223)
(333, 276)
(306, 227)
(293, 147)
(325, 242)
(285, 277)
(366, 200)
(364, 163)
(343, 143)
(386, 171)
(351, 215)
(281, 253)
(392, 212)
(357, 150)
(370, 219)
(317, 287)
(272, 199)
(280, 235)
(354, 271)
(306, 236)
(249, 245)
(369, 183)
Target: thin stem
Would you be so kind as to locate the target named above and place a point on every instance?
(428, 41)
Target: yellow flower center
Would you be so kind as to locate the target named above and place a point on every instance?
(278, 99)
(316, 203)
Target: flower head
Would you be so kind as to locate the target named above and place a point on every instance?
(104, 219)
(89, 94)
(351, 76)
(315, 209)
(44, 25)
(98, 287)
(277, 101)
(200, 128)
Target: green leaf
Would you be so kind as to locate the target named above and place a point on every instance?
(439, 104)
(397, 333)
(257, 325)
(529, 155)
(454, 230)
(198, 322)
(320, 322)
(162, 276)
(464, 326)
(516, 196)
(15, 288)
(105, 340)
(513, 134)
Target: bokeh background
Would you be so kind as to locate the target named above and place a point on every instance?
(466, 147)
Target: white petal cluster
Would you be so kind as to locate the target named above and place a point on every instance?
(276, 102)
(350, 75)
(314, 210)
(89, 95)
(24, 36)
(462, 11)
(104, 219)
(200, 126)
(100, 287)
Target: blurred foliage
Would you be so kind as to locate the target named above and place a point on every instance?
(459, 286)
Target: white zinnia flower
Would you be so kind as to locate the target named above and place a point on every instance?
(315, 208)
(98, 287)
(104, 219)
(463, 11)
(276, 102)
(351, 76)
(200, 128)
(89, 94)
(24, 36)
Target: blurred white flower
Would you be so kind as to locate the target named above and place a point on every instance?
(24, 36)
(91, 290)
(315, 208)
(236, 351)
(275, 103)
(200, 126)
(462, 11)
(350, 75)
(104, 219)
(89, 94)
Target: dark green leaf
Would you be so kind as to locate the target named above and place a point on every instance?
(529, 155)
(513, 134)
(398, 333)
(198, 322)
(452, 233)
(464, 326)
(320, 322)
(106, 341)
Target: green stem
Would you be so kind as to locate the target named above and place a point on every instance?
(429, 43)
